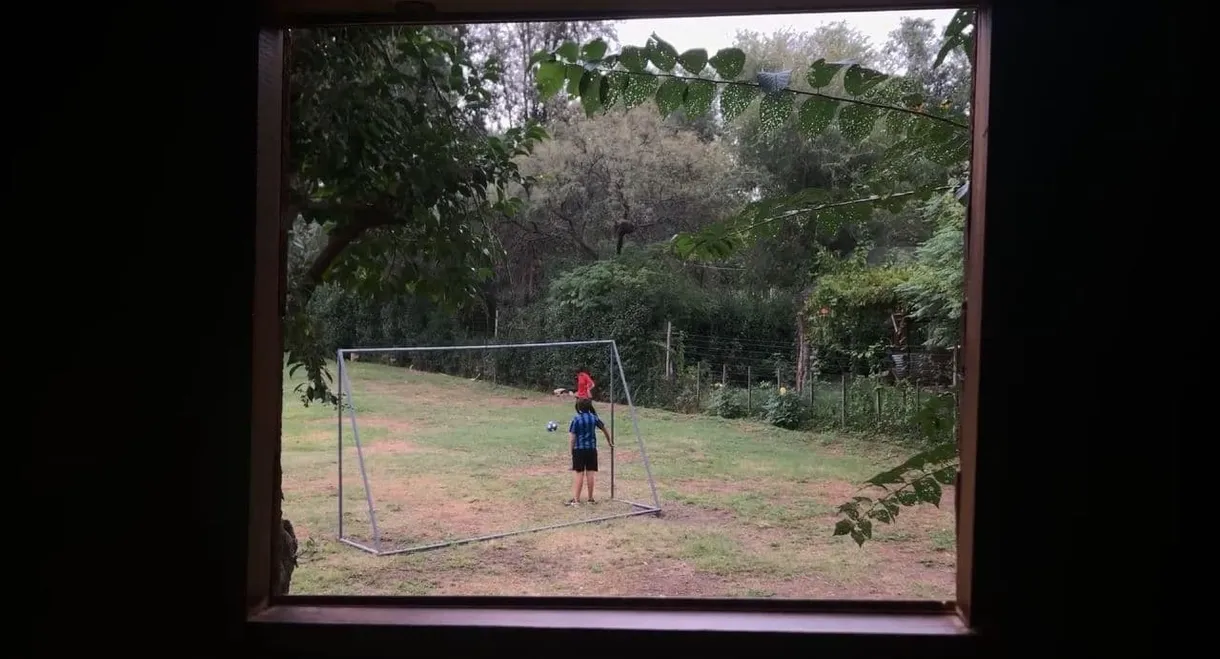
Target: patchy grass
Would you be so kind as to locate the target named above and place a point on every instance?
(748, 508)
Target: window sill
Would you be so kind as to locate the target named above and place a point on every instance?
(854, 622)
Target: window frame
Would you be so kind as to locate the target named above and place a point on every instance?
(930, 627)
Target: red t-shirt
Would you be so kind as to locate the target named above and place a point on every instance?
(584, 385)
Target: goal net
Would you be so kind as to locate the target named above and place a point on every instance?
(447, 445)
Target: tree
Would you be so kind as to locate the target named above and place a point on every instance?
(392, 179)
(919, 131)
(507, 47)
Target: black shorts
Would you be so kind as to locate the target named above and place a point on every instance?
(584, 459)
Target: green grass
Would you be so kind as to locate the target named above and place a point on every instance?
(748, 508)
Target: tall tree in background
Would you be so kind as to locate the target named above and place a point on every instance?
(911, 51)
(510, 46)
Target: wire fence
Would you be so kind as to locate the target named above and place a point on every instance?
(905, 391)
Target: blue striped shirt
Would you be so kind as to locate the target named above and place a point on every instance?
(584, 425)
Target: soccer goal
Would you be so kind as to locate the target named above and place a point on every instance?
(451, 451)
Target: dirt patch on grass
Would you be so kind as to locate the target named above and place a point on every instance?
(394, 447)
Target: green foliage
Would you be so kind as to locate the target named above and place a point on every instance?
(935, 288)
(918, 480)
(851, 314)
(390, 163)
(871, 103)
(727, 402)
(785, 410)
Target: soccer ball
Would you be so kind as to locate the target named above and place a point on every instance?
(551, 426)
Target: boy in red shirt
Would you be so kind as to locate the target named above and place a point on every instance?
(584, 387)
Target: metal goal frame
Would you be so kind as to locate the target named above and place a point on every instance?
(345, 387)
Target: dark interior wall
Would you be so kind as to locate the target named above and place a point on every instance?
(132, 196)
(133, 186)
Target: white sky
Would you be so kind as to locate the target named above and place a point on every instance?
(714, 33)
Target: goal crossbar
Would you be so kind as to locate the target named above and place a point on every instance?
(345, 387)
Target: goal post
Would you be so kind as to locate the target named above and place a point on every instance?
(378, 544)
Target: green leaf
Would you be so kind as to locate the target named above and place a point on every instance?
(639, 88)
(856, 121)
(590, 92)
(574, 73)
(594, 50)
(541, 56)
(775, 109)
(844, 526)
(699, 97)
(881, 515)
(633, 58)
(549, 78)
(661, 53)
(955, 35)
(889, 477)
(734, 99)
(612, 86)
(859, 79)
(906, 498)
(851, 509)
(858, 537)
(693, 60)
(815, 115)
(928, 491)
(669, 96)
(946, 475)
(570, 51)
(728, 62)
(821, 73)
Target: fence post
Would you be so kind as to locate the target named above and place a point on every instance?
(669, 328)
(749, 391)
(843, 401)
(724, 375)
(698, 378)
(877, 395)
(779, 379)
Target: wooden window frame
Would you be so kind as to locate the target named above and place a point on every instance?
(933, 628)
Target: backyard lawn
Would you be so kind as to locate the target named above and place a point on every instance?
(747, 509)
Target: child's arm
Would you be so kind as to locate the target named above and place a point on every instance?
(606, 433)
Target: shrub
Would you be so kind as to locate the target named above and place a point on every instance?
(727, 402)
(785, 410)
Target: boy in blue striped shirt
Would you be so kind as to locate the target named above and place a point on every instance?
(582, 435)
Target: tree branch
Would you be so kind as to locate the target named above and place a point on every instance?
(831, 97)
(362, 218)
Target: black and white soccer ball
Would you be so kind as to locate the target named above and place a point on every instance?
(551, 426)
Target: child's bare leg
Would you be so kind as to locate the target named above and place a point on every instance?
(576, 483)
(590, 476)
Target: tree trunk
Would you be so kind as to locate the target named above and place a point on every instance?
(363, 219)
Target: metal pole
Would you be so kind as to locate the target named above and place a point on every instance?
(450, 543)
(610, 364)
(368, 492)
(339, 414)
(635, 422)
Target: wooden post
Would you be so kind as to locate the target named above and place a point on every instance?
(669, 369)
(954, 376)
(877, 404)
(495, 331)
(779, 378)
(724, 375)
(749, 391)
(843, 401)
(698, 377)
